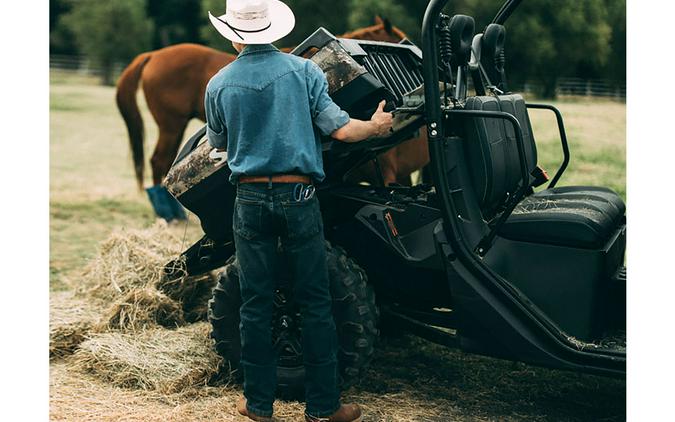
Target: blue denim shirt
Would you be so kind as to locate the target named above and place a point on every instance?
(274, 106)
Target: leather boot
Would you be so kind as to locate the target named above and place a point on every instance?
(241, 408)
(346, 413)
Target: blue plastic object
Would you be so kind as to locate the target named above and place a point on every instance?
(165, 205)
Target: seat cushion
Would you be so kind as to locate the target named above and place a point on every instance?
(492, 150)
(576, 216)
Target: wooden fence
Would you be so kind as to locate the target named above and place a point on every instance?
(80, 65)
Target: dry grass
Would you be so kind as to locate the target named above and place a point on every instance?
(128, 260)
(122, 288)
(71, 319)
(408, 380)
(128, 271)
(168, 361)
(144, 308)
(192, 292)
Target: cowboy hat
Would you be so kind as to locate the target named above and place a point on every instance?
(254, 21)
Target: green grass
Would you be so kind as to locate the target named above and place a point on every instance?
(596, 131)
(92, 184)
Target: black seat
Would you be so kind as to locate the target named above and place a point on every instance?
(576, 216)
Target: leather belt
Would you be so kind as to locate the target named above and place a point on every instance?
(280, 178)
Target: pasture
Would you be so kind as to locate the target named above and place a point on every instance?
(93, 191)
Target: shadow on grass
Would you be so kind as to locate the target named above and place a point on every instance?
(487, 388)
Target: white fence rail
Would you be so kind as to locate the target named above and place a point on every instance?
(565, 86)
(590, 88)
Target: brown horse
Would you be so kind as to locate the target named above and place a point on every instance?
(174, 82)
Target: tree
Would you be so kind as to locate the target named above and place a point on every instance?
(61, 39)
(547, 39)
(363, 12)
(616, 64)
(175, 21)
(108, 32)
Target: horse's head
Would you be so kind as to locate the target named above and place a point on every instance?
(383, 30)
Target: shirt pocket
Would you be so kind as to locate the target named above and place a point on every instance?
(247, 218)
(303, 218)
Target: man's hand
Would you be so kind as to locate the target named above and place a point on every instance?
(382, 120)
(357, 130)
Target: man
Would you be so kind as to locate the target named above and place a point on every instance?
(268, 108)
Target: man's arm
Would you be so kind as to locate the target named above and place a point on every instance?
(333, 121)
(358, 130)
(215, 127)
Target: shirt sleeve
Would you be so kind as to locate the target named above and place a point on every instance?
(327, 115)
(215, 126)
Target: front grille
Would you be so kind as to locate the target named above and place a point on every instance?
(399, 69)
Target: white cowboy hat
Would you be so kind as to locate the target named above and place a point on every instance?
(254, 21)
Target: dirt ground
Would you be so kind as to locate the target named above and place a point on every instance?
(409, 380)
(92, 192)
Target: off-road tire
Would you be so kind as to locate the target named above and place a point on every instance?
(354, 311)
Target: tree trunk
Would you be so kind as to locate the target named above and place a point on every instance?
(107, 74)
(548, 88)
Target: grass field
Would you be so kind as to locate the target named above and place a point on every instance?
(93, 191)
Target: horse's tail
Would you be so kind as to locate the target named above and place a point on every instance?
(126, 103)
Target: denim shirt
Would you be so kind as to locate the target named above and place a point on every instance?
(274, 105)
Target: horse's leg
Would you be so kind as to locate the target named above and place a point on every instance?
(170, 136)
(388, 163)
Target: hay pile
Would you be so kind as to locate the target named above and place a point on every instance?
(123, 289)
(192, 292)
(128, 326)
(168, 361)
(144, 308)
(70, 321)
(128, 271)
(129, 259)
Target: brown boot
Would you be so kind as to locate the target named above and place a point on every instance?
(241, 408)
(346, 413)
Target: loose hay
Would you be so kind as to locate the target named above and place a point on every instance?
(128, 272)
(71, 319)
(192, 292)
(167, 361)
(130, 259)
(143, 308)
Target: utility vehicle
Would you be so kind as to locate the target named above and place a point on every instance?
(477, 258)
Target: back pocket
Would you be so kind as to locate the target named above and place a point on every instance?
(303, 218)
(246, 221)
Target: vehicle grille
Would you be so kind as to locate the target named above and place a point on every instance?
(397, 68)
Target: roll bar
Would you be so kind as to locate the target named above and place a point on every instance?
(506, 11)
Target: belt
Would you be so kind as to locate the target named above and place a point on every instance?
(280, 178)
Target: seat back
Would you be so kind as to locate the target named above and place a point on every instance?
(492, 150)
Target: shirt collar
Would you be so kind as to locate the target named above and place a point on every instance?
(256, 49)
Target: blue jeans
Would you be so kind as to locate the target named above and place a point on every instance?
(264, 214)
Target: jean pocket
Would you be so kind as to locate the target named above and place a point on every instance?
(303, 218)
(246, 221)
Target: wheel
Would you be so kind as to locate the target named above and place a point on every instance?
(354, 312)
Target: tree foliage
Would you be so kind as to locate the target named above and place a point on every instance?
(546, 39)
(549, 38)
(108, 32)
(61, 39)
(363, 12)
(175, 21)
